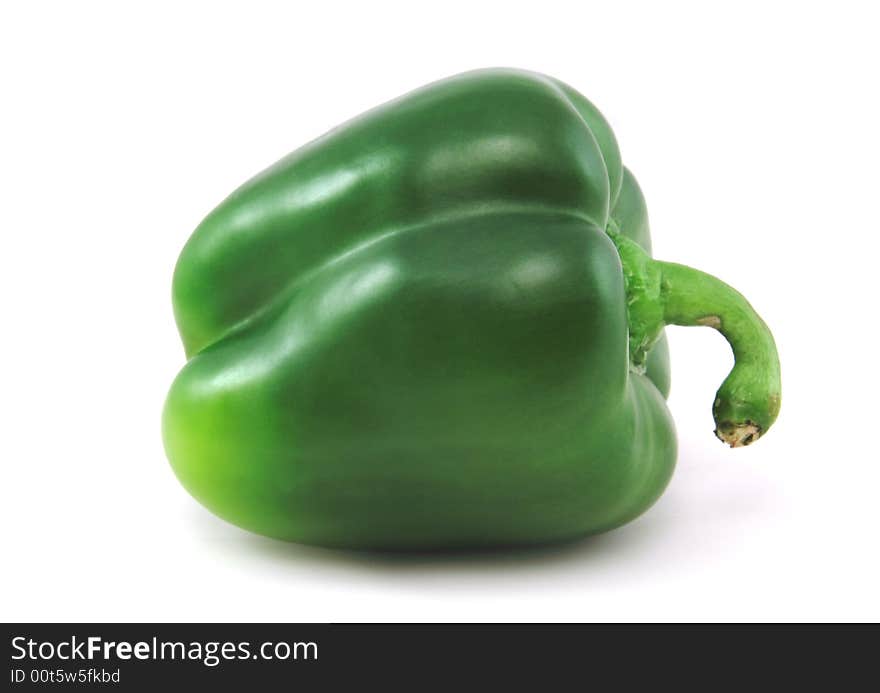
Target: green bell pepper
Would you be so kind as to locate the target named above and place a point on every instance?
(439, 325)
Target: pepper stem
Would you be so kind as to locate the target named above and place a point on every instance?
(664, 293)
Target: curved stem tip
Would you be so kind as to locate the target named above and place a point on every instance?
(664, 293)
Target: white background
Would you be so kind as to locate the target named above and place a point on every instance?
(754, 133)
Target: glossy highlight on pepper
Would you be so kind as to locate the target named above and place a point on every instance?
(439, 326)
